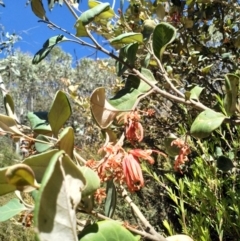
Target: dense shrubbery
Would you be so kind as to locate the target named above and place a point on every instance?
(168, 121)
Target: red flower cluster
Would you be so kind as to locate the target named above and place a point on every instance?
(181, 158)
(121, 166)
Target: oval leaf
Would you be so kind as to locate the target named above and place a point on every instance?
(47, 47)
(163, 35)
(38, 9)
(59, 112)
(92, 181)
(106, 231)
(224, 163)
(206, 122)
(39, 163)
(10, 209)
(103, 112)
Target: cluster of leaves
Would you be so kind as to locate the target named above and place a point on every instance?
(178, 59)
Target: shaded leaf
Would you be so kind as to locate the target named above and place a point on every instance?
(134, 87)
(40, 162)
(231, 96)
(10, 209)
(107, 230)
(38, 9)
(163, 35)
(92, 181)
(224, 163)
(47, 47)
(103, 112)
(206, 122)
(34, 120)
(60, 192)
(5, 187)
(111, 199)
(59, 113)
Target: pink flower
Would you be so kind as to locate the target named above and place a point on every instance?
(132, 172)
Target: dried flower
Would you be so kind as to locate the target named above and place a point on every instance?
(133, 128)
(181, 158)
(99, 195)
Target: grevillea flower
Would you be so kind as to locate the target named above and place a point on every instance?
(133, 128)
(100, 194)
(132, 172)
(184, 151)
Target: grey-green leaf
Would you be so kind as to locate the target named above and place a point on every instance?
(163, 35)
(47, 47)
(10, 209)
(111, 199)
(59, 112)
(206, 122)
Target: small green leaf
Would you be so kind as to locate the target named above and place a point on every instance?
(206, 122)
(59, 112)
(66, 141)
(40, 146)
(111, 199)
(34, 120)
(127, 38)
(106, 231)
(195, 92)
(92, 181)
(47, 47)
(231, 96)
(163, 35)
(224, 163)
(10, 209)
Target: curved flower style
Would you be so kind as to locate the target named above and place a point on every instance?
(132, 172)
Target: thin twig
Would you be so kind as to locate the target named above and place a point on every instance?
(141, 217)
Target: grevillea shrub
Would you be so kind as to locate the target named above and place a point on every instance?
(171, 123)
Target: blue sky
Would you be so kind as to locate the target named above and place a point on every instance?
(18, 18)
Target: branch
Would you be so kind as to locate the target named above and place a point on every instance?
(139, 214)
(132, 229)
